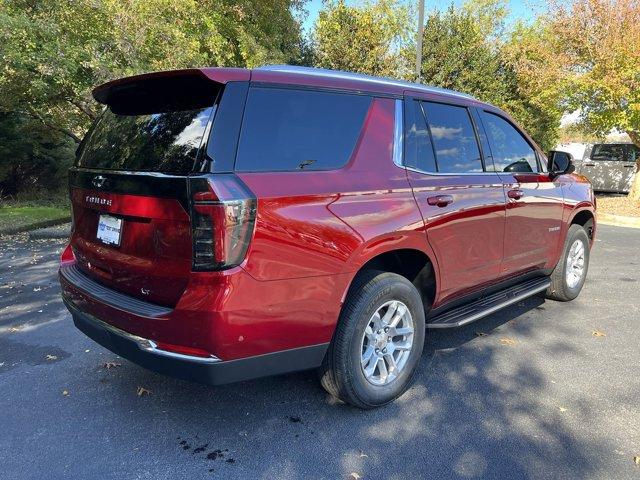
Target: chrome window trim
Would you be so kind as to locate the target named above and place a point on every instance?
(398, 134)
(398, 146)
(452, 174)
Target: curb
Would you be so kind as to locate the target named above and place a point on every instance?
(33, 226)
(61, 231)
(618, 220)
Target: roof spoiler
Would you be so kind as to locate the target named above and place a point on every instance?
(124, 90)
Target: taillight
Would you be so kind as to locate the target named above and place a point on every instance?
(223, 216)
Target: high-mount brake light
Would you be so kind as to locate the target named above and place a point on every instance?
(223, 218)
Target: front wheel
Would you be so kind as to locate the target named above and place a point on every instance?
(570, 274)
(378, 341)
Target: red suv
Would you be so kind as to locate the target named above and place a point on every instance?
(231, 224)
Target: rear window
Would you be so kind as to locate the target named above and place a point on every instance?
(154, 124)
(161, 142)
(288, 129)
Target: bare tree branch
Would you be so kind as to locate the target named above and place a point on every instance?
(57, 128)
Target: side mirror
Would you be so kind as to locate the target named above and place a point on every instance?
(560, 163)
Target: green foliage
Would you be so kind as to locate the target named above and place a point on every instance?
(34, 158)
(599, 44)
(489, 16)
(363, 39)
(54, 52)
(467, 49)
(457, 54)
(533, 82)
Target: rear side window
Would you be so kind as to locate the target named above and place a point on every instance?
(604, 152)
(511, 152)
(288, 129)
(453, 137)
(418, 147)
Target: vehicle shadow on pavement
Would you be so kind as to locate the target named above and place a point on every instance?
(470, 413)
(504, 397)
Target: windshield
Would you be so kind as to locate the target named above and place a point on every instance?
(160, 142)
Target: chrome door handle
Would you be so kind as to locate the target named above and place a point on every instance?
(515, 193)
(440, 200)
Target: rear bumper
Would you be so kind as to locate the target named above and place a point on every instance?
(211, 370)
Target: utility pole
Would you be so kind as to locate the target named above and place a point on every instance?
(419, 39)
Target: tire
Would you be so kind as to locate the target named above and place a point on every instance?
(564, 287)
(342, 373)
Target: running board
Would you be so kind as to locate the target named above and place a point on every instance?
(482, 307)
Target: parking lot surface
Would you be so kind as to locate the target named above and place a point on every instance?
(540, 390)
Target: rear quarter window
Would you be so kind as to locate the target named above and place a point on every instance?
(299, 130)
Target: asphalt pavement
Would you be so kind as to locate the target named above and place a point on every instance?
(540, 390)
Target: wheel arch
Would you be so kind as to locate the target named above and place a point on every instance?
(415, 264)
(586, 218)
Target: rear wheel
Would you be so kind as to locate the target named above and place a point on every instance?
(378, 341)
(570, 274)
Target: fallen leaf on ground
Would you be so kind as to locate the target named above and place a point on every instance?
(109, 365)
(143, 391)
(481, 334)
(51, 357)
(508, 341)
(598, 333)
(65, 393)
(636, 459)
(562, 409)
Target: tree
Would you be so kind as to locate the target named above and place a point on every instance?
(458, 55)
(535, 82)
(468, 49)
(54, 52)
(598, 42)
(363, 39)
(39, 157)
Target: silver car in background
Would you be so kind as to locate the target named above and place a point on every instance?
(609, 166)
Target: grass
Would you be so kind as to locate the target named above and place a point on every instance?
(26, 214)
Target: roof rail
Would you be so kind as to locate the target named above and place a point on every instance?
(327, 73)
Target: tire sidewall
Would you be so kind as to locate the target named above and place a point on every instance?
(391, 289)
(577, 233)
